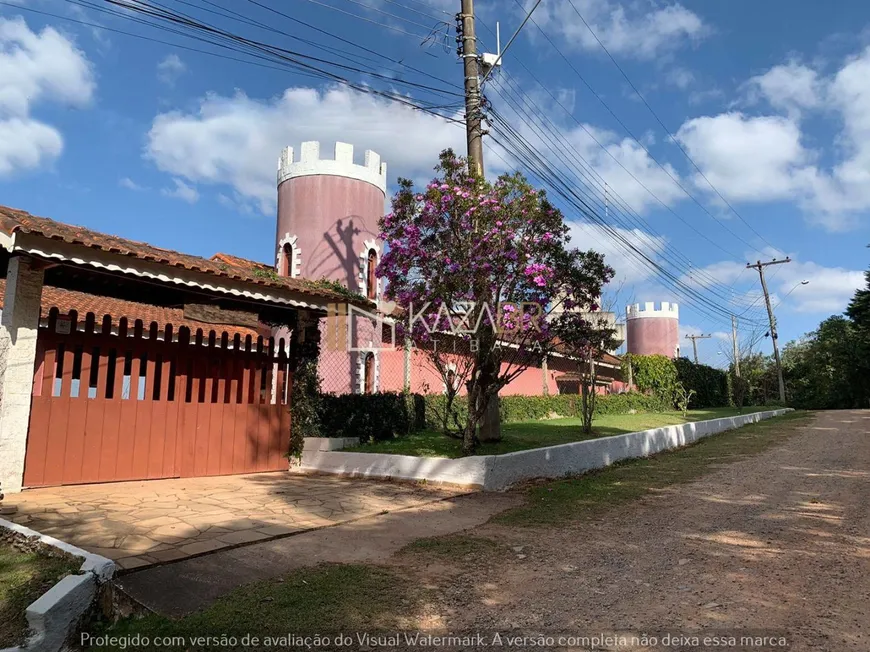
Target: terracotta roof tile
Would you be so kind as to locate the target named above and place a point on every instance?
(13, 220)
(83, 303)
(236, 261)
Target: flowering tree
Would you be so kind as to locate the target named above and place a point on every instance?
(482, 264)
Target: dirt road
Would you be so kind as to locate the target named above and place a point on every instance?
(777, 543)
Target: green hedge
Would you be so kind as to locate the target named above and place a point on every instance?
(513, 409)
(386, 415)
(711, 385)
(371, 417)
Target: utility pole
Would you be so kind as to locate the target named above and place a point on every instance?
(695, 339)
(490, 426)
(773, 334)
(471, 66)
(734, 345)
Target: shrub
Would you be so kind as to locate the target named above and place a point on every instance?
(436, 408)
(656, 374)
(370, 417)
(516, 408)
(625, 403)
(710, 385)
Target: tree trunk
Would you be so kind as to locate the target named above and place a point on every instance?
(490, 424)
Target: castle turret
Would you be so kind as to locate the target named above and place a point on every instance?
(652, 330)
(328, 212)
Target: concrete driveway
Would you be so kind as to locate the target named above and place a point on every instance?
(144, 523)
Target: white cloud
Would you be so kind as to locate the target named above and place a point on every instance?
(828, 291)
(235, 141)
(585, 235)
(181, 191)
(747, 158)
(35, 67)
(625, 167)
(680, 77)
(640, 30)
(170, 68)
(129, 184)
(789, 87)
(27, 144)
(764, 158)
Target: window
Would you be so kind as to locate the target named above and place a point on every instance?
(286, 267)
(371, 275)
(369, 369)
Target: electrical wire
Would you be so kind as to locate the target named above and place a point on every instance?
(635, 138)
(662, 124)
(533, 161)
(567, 152)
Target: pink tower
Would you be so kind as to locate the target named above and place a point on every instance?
(652, 330)
(328, 213)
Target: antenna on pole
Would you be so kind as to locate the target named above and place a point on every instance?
(489, 60)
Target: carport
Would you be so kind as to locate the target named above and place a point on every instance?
(124, 361)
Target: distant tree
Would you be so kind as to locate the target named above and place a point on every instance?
(585, 337)
(822, 369)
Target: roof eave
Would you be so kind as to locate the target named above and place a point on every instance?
(59, 250)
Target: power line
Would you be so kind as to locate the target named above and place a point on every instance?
(569, 153)
(532, 160)
(635, 138)
(368, 20)
(659, 120)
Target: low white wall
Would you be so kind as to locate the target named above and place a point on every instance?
(497, 472)
(55, 615)
(464, 471)
(577, 457)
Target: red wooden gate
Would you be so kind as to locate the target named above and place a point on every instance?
(111, 405)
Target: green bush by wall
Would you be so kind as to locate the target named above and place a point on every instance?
(513, 409)
(371, 417)
(386, 415)
(710, 384)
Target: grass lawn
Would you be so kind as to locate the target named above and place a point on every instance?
(562, 501)
(23, 578)
(535, 434)
(326, 599)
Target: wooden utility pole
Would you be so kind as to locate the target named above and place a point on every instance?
(734, 345)
(773, 334)
(695, 339)
(473, 114)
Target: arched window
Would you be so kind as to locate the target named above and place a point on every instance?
(369, 369)
(286, 268)
(371, 275)
(451, 380)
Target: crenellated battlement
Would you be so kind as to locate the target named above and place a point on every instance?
(648, 309)
(372, 171)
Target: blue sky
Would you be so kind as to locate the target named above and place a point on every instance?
(770, 100)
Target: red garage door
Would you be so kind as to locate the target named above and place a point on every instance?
(112, 405)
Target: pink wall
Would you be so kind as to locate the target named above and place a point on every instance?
(653, 335)
(332, 217)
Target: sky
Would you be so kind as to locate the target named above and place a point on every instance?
(708, 134)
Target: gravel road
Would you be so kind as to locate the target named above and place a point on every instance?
(777, 545)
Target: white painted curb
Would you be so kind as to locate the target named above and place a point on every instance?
(498, 472)
(54, 615)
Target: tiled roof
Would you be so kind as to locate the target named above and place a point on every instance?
(236, 261)
(13, 220)
(68, 300)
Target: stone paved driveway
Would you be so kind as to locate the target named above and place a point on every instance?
(142, 523)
